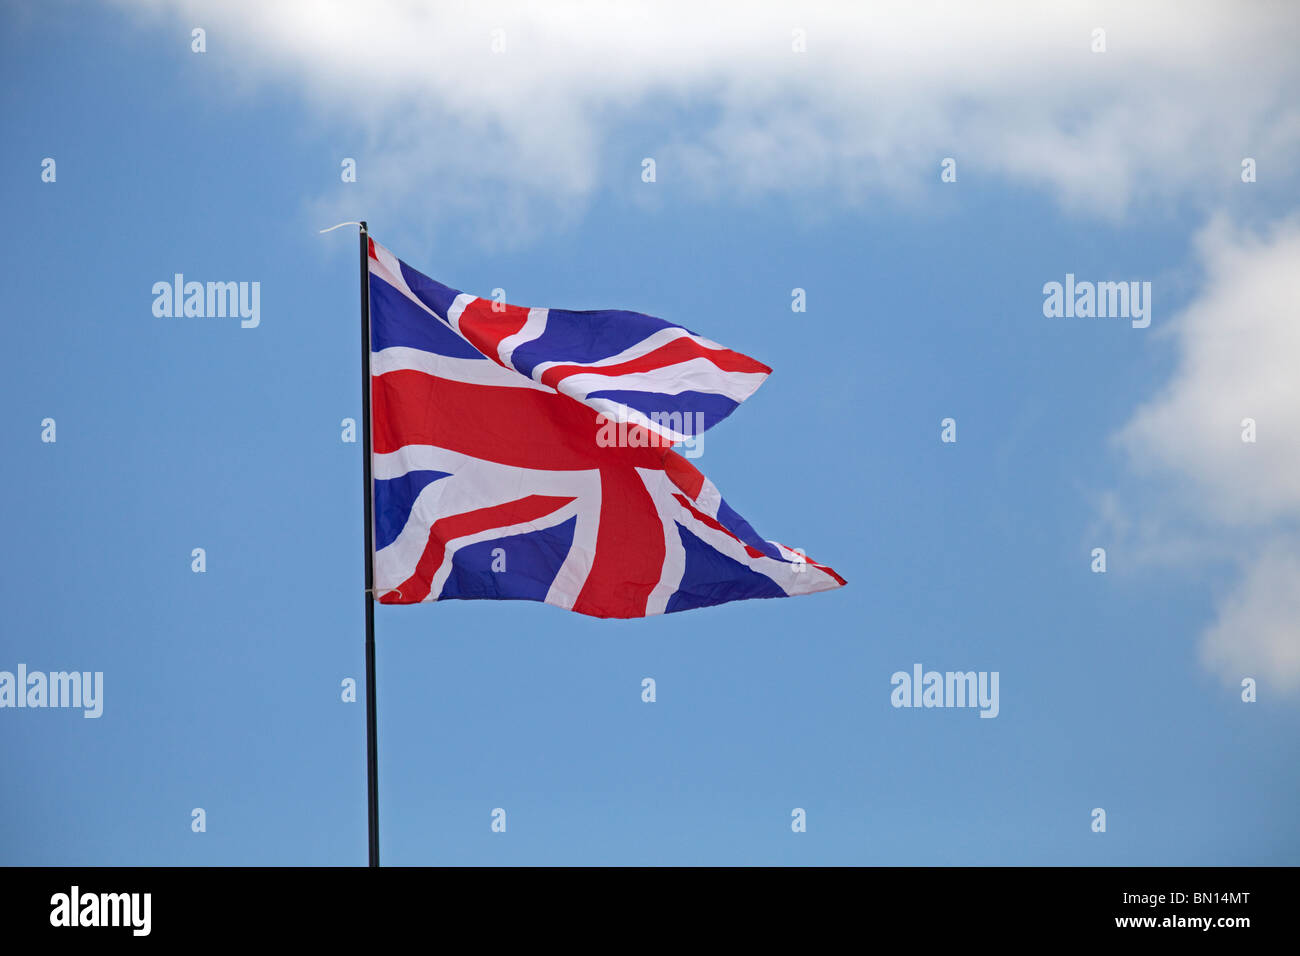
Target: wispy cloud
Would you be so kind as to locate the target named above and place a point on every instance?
(717, 94)
(1238, 347)
(1239, 354)
(1255, 633)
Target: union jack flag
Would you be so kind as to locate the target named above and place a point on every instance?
(494, 475)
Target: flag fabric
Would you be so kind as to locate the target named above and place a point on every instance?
(526, 454)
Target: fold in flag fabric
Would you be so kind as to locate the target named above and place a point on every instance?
(526, 454)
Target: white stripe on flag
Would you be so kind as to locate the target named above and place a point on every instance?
(470, 371)
(534, 326)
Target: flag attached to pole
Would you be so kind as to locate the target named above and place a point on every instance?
(526, 454)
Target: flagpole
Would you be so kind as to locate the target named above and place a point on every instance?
(372, 747)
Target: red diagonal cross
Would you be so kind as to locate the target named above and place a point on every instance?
(527, 428)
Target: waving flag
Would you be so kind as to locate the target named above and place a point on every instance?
(525, 454)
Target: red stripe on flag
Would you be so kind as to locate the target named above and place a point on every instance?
(416, 588)
(683, 474)
(678, 350)
(524, 428)
(485, 327)
(630, 549)
(717, 525)
(830, 571)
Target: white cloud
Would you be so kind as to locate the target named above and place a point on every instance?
(713, 91)
(1239, 344)
(1256, 634)
(1238, 357)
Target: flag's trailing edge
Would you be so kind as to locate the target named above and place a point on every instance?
(494, 478)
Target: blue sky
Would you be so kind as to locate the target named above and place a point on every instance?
(222, 689)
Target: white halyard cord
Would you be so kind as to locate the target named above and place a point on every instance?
(332, 228)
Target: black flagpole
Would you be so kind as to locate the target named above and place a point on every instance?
(372, 747)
